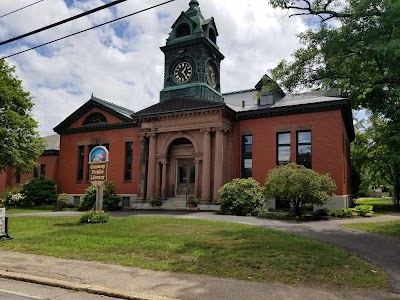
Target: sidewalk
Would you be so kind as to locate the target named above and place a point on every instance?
(133, 283)
(146, 284)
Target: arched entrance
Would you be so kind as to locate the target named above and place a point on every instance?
(182, 172)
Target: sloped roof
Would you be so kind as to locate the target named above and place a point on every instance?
(236, 98)
(111, 108)
(52, 142)
(176, 105)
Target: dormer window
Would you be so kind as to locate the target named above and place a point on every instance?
(212, 36)
(183, 30)
(94, 118)
(267, 100)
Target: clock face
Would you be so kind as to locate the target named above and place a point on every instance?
(211, 76)
(183, 72)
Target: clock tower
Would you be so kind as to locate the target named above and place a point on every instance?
(192, 58)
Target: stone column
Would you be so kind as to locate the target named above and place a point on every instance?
(206, 189)
(197, 177)
(144, 155)
(151, 175)
(158, 179)
(164, 179)
(219, 161)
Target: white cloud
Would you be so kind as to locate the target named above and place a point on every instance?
(128, 70)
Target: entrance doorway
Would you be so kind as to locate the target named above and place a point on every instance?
(186, 176)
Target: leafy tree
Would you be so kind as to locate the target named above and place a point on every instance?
(39, 190)
(298, 186)
(375, 153)
(20, 143)
(358, 52)
(242, 197)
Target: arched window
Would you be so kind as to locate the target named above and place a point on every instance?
(183, 30)
(94, 118)
(212, 36)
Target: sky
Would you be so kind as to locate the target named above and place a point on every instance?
(122, 62)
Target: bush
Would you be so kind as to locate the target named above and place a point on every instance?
(62, 202)
(242, 197)
(297, 186)
(38, 191)
(7, 194)
(324, 212)
(16, 200)
(342, 213)
(155, 201)
(94, 217)
(364, 210)
(110, 199)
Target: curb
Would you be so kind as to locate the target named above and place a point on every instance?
(91, 289)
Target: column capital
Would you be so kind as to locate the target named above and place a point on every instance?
(220, 130)
(206, 130)
(151, 134)
(142, 135)
(164, 162)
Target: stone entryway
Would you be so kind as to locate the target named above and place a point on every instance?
(186, 176)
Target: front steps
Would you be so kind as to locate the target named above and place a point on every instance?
(175, 204)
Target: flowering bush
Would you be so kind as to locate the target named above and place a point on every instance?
(2, 203)
(16, 200)
(95, 217)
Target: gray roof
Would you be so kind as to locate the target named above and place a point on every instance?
(234, 100)
(122, 110)
(52, 142)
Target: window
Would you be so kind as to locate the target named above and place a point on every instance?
(35, 171)
(77, 200)
(267, 100)
(18, 177)
(90, 148)
(304, 148)
(183, 30)
(126, 202)
(81, 160)
(94, 118)
(43, 170)
(212, 36)
(283, 148)
(128, 161)
(247, 156)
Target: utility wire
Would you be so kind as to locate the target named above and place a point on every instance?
(62, 22)
(21, 9)
(67, 36)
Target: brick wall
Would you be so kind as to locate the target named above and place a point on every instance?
(328, 144)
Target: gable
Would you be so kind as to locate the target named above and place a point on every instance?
(93, 114)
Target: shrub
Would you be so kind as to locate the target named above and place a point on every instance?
(193, 200)
(324, 212)
(6, 196)
(364, 210)
(62, 202)
(342, 213)
(110, 199)
(242, 197)
(94, 217)
(38, 191)
(298, 186)
(155, 201)
(2, 203)
(16, 200)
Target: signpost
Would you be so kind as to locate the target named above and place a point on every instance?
(4, 224)
(98, 168)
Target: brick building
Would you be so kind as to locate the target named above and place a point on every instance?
(196, 138)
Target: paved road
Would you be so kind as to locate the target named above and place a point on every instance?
(17, 290)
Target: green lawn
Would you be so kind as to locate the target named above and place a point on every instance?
(195, 246)
(19, 210)
(388, 228)
(381, 205)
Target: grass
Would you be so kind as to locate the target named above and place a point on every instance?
(20, 210)
(388, 228)
(381, 205)
(195, 246)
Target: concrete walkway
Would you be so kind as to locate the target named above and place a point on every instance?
(381, 250)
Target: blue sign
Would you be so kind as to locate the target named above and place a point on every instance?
(98, 155)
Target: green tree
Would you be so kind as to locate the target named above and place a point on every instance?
(298, 186)
(38, 191)
(357, 53)
(20, 144)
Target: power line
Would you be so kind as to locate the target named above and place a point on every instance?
(20, 9)
(61, 22)
(67, 36)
